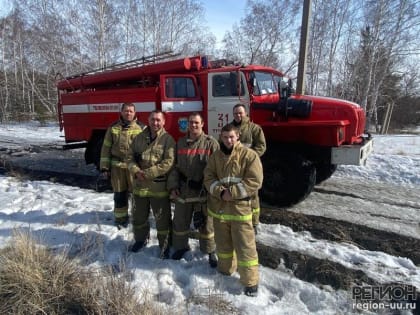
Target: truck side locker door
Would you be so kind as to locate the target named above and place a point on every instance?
(180, 97)
(223, 94)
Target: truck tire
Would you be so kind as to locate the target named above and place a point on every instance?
(288, 178)
(324, 171)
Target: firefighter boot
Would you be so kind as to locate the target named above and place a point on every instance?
(164, 252)
(122, 223)
(251, 291)
(213, 260)
(139, 245)
(179, 253)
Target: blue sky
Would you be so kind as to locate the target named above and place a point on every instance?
(4, 7)
(222, 14)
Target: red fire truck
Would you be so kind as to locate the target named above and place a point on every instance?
(307, 136)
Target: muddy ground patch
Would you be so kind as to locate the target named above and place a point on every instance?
(342, 231)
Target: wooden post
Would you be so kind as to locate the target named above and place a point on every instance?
(385, 120)
(306, 15)
(391, 109)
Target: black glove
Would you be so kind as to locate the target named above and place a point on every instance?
(103, 182)
(199, 219)
(137, 158)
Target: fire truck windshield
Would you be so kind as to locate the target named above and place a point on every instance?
(264, 83)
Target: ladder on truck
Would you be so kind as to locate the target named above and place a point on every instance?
(142, 61)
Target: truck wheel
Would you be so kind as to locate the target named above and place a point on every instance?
(288, 178)
(324, 171)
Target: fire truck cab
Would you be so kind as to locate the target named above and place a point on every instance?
(307, 136)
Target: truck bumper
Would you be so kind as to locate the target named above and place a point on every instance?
(352, 154)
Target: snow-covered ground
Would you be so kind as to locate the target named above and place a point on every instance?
(69, 217)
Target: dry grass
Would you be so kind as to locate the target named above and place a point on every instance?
(14, 173)
(35, 281)
(212, 302)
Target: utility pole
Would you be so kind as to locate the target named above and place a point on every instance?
(306, 16)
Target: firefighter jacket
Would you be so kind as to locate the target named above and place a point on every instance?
(241, 173)
(116, 147)
(155, 157)
(191, 159)
(251, 135)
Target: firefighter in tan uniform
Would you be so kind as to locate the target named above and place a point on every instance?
(251, 136)
(115, 151)
(232, 177)
(153, 156)
(187, 191)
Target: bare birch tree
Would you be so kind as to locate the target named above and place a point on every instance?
(328, 26)
(392, 29)
(173, 25)
(5, 25)
(128, 22)
(267, 34)
(101, 31)
(360, 50)
(46, 38)
(12, 29)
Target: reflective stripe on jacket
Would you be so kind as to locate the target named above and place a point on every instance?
(240, 172)
(155, 158)
(191, 159)
(116, 147)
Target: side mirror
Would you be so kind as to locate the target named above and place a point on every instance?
(289, 88)
(283, 89)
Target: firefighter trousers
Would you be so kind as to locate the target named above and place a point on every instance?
(236, 250)
(162, 212)
(181, 227)
(122, 183)
(255, 203)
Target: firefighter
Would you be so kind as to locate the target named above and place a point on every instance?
(114, 156)
(188, 193)
(153, 156)
(232, 177)
(251, 136)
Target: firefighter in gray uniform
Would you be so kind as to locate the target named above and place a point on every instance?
(153, 156)
(251, 135)
(188, 193)
(115, 152)
(232, 177)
